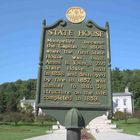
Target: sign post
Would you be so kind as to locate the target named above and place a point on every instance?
(74, 83)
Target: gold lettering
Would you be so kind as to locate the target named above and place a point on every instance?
(91, 98)
(98, 52)
(57, 92)
(97, 47)
(67, 46)
(67, 62)
(60, 32)
(53, 51)
(85, 92)
(52, 67)
(58, 98)
(71, 80)
(53, 62)
(72, 74)
(73, 86)
(101, 75)
(101, 93)
(86, 86)
(84, 80)
(87, 42)
(76, 57)
(48, 80)
(77, 92)
(60, 42)
(100, 81)
(78, 98)
(74, 68)
(57, 73)
(99, 63)
(100, 86)
(99, 58)
(68, 52)
(81, 63)
(54, 57)
(53, 85)
(47, 73)
(81, 74)
(99, 69)
(86, 33)
(51, 46)
(59, 80)
(83, 52)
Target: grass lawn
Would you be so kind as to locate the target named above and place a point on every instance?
(131, 127)
(11, 132)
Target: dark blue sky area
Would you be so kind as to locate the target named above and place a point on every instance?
(20, 29)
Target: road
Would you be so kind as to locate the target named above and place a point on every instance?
(105, 132)
(61, 135)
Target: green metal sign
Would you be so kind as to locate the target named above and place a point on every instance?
(74, 68)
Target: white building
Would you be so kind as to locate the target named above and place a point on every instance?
(25, 102)
(123, 102)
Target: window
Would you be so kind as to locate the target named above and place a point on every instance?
(125, 110)
(116, 101)
(124, 101)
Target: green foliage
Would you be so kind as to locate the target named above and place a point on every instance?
(28, 118)
(15, 117)
(119, 115)
(42, 118)
(27, 113)
(131, 127)
(12, 92)
(129, 78)
(117, 80)
(20, 132)
(137, 114)
(86, 135)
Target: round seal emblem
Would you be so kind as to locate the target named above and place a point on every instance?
(75, 14)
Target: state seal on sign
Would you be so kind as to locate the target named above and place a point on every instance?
(76, 14)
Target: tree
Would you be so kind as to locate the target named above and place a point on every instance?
(42, 118)
(12, 103)
(2, 103)
(12, 92)
(15, 117)
(137, 114)
(27, 113)
(117, 80)
(121, 116)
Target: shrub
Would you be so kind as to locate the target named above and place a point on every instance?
(27, 117)
(137, 114)
(119, 115)
(85, 135)
(15, 117)
(42, 118)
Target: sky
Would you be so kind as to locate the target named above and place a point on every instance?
(20, 32)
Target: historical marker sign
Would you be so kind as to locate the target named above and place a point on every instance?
(74, 66)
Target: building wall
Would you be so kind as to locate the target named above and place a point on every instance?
(122, 103)
(32, 103)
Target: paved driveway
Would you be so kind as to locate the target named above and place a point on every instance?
(61, 135)
(56, 135)
(115, 136)
(105, 132)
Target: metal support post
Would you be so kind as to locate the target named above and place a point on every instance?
(74, 134)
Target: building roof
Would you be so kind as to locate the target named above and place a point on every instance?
(27, 101)
(122, 94)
